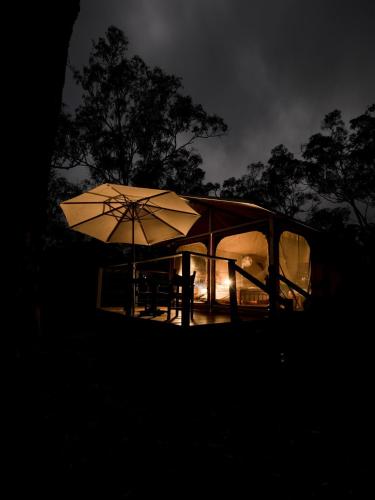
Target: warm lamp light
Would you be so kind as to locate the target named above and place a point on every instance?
(227, 282)
(247, 261)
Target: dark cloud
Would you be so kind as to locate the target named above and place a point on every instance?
(271, 68)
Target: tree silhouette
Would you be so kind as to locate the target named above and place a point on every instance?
(275, 185)
(134, 124)
(55, 231)
(340, 164)
(332, 182)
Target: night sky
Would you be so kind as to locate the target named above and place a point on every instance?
(271, 68)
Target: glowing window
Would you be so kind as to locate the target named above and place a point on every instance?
(250, 251)
(294, 265)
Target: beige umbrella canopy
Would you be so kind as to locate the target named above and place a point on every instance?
(115, 213)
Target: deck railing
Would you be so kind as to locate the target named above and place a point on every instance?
(115, 283)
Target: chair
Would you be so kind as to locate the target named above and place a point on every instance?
(147, 295)
(174, 300)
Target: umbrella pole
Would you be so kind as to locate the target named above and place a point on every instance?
(133, 269)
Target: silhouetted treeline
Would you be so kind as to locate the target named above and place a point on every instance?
(332, 185)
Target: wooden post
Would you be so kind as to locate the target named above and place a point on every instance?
(232, 292)
(210, 264)
(133, 262)
(208, 282)
(185, 320)
(273, 269)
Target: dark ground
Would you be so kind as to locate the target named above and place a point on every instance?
(262, 410)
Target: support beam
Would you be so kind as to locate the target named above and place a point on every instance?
(232, 292)
(251, 278)
(295, 287)
(273, 269)
(185, 321)
(210, 265)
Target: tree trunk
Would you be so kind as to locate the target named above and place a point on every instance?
(37, 74)
(37, 42)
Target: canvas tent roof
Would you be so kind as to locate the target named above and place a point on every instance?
(218, 214)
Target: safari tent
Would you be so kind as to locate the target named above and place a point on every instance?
(244, 258)
(273, 249)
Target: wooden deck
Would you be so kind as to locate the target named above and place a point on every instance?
(200, 317)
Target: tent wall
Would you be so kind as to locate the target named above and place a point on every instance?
(224, 226)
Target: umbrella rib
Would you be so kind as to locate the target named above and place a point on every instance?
(146, 197)
(163, 221)
(173, 210)
(117, 191)
(117, 225)
(97, 216)
(82, 202)
(140, 199)
(153, 196)
(143, 231)
(100, 202)
(86, 202)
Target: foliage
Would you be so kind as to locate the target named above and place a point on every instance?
(276, 184)
(333, 182)
(334, 220)
(134, 125)
(340, 163)
(59, 189)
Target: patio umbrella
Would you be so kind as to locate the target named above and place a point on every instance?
(115, 213)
